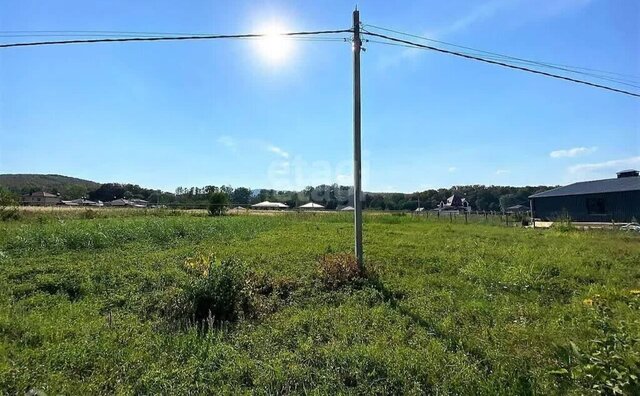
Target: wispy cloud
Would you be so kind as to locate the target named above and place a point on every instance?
(572, 152)
(608, 166)
(502, 172)
(452, 169)
(277, 150)
(513, 11)
(516, 9)
(479, 13)
(227, 141)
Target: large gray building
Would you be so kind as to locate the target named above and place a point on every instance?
(40, 198)
(593, 201)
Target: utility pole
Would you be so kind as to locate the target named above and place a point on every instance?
(357, 176)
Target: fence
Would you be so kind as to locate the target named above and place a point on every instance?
(463, 217)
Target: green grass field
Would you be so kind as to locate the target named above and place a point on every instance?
(95, 306)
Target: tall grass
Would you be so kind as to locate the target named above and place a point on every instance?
(453, 308)
(57, 236)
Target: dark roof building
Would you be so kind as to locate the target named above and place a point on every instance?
(597, 201)
(454, 203)
(40, 198)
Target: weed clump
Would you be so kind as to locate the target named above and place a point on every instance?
(217, 291)
(223, 291)
(610, 363)
(340, 269)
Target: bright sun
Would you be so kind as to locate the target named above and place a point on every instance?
(274, 47)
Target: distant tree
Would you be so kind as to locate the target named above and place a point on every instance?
(377, 202)
(410, 205)
(107, 192)
(218, 202)
(307, 191)
(154, 197)
(507, 200)
(75, 191)
(263, 195)
(331, 204)
(210, 189)
(227, 190)
(241, 195)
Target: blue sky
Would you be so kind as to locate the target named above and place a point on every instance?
(168, 114)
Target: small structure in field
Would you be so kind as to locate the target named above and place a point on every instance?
(40, 198)
(269, 205)
(311, 206)
(348, 209)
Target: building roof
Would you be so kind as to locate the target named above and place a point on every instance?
(267, 204)
(42, 194)
(312, 205)
(593, 187)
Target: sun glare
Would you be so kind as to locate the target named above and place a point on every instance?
(274, 47)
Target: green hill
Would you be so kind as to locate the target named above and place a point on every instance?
(26, 183)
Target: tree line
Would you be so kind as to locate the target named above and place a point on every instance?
(331, 196)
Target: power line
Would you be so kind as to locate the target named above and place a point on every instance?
(115, 34)
(512, 59)
(541, 63)
(91, 32)
(493, 62)
(303, 34)
(499, 59)
(172, 38)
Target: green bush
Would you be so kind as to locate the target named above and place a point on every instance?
(218, 202)
(218, 293)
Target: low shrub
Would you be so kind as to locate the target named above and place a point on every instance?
(336, 270)
(215, 293)
(9, 213)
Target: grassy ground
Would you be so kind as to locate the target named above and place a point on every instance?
(452, 308)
